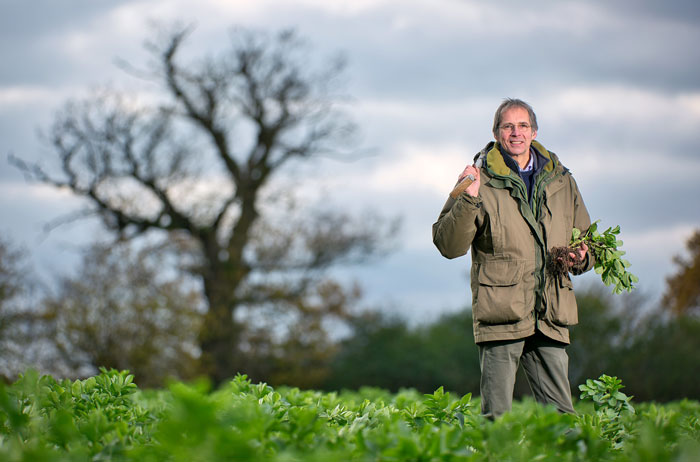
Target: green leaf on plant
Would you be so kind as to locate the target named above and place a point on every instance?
(605, 248)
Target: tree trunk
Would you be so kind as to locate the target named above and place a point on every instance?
(219, 335)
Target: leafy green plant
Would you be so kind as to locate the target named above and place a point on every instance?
(612, 407)
(608, 256)
(92, 418)
(107, 418)
(439, 407)
(605, 248)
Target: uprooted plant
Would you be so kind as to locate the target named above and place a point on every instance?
(605, 248)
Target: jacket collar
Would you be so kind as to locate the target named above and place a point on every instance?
(495, 162)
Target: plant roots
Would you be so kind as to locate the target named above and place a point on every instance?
(561, 259)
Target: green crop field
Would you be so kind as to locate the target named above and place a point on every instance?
(107, 417)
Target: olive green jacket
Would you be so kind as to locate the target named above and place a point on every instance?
(512, 294)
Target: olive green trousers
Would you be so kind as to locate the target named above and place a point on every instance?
(546, 366)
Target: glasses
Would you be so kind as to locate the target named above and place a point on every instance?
(522, 126)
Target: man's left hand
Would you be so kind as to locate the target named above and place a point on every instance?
(579, 254)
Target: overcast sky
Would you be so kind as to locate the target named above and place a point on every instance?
(615, 84)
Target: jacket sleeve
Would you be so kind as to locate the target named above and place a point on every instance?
(456, 226)
(582, 221)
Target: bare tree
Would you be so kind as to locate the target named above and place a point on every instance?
(122, 311)
(12, 275)
(197, 164)
(12, 286)
(22, 343)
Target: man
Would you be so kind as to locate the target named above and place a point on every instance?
(522, 202)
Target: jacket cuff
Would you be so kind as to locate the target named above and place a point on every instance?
(584, 266)
(471, 200)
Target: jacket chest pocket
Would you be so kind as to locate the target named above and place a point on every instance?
(501, 292)
(507, 233)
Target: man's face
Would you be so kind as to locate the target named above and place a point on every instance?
(515, 133)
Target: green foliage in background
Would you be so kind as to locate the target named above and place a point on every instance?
(609, 263)
(107, 418)
(386, 352)
(655, 355)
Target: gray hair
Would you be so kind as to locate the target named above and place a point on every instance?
(510, 103)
